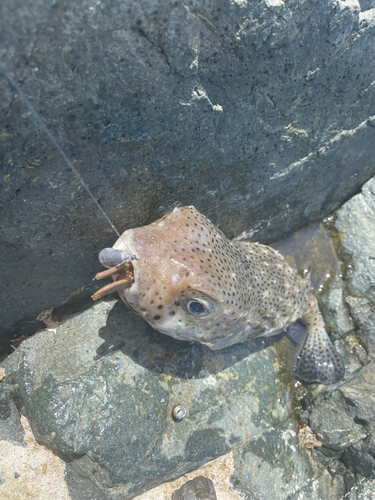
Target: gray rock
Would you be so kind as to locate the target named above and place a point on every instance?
(345, 422)
(355, 230)
(333, 421)
(332, 307)
(99, 390)
(273, 466)
(360, 394)
(355, 223)
(10, 426)
(365, 491)
(362, 311)
(199, 488)
(261, 115)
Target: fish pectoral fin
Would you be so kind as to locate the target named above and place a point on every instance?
(319, 360)
(236, 337)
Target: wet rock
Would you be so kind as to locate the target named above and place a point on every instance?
(310, 250)
(354, 230)
(345, 420)
(261, 115)
(10, 426)
(106, 407)
(273, 466)
(354, 223)
(100, 388)
(365, 491)
(362, 311)
(333, 308)
(333, 420)
(360, 394)
(199, 488)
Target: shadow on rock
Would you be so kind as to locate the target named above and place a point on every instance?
(159, 353)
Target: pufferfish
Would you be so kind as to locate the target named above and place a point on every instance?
(189, 281)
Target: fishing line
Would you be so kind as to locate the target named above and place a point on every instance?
(50, 136)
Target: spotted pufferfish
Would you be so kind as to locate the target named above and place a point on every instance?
(189, 281)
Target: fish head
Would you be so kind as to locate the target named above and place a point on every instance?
(185, 283)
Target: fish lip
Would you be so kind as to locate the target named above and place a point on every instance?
(124, 243)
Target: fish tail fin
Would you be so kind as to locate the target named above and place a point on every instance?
(319, 360)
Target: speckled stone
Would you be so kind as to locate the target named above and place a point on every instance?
(199, 488)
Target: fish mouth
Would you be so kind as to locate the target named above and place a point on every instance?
(122, 274)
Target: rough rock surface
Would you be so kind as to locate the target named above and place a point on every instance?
(103, 399)
(261, 114)
(198, 488)
(99, 390)
(353, 227)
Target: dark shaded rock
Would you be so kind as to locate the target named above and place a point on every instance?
(360, 394)
(199, 488)
(261, 115)
(10, 426)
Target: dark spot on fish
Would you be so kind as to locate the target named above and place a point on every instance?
(156, 317)
(160, 307)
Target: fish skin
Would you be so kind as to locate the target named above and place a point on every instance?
(192, 283)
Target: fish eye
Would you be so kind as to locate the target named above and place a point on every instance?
(199, 306)
(196, 307)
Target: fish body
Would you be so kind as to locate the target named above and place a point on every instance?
(192, 283)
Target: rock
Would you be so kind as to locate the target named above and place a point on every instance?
(332, 306)
(333, 421)
(310, 250)
(345, 421)
(218, 471)
(354, 223)
(353, 227)
(272, 466)
(360, 394)
(199, 488)
(100, 388)
(261, 115)
(363, 492)
(10, 425)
